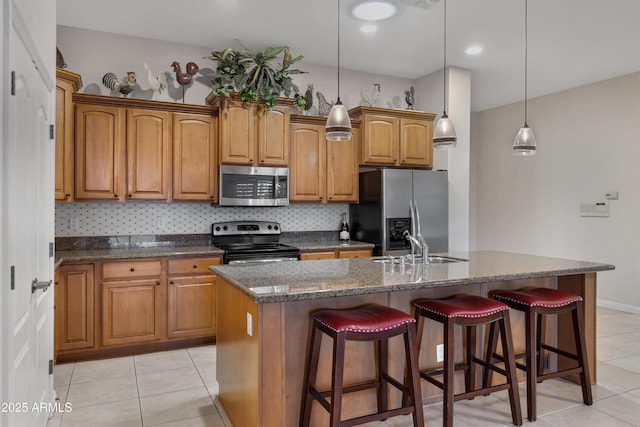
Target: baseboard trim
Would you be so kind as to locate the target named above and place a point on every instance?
(618, 306)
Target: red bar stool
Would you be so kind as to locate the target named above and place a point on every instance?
(372, 323)
(536, 304)
(469, 311)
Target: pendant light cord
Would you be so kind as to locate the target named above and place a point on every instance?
(444, 69)
(338, 51)
(526, 56)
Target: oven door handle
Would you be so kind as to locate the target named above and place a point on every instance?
(260, 261)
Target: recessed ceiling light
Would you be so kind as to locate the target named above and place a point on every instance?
(473, 50)
(374, 10)
(369, 28)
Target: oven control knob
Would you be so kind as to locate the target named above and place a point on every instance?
(269, 227)
(218, 228)
(275, 227)
(225, 228)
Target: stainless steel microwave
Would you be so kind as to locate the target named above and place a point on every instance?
(253, 186)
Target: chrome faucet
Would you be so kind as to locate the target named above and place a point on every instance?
(421, 244)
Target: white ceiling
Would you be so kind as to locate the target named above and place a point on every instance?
(571, 42)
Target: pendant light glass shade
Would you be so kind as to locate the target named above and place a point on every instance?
(338, 127)
(444, 136)
(525, 142)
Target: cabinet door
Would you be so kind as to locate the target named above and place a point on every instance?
(308, 157)
(64, 141)
(132, 311)
(99, 152)
(237, 132)
(342, 170)
(191, 303)
(74, 307)
(416, 142)
(195, 164)
(148, 154)
(273, 136)
(380, 139)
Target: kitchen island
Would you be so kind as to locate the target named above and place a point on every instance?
(264, 321)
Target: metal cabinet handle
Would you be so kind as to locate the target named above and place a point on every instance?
(133, 269)
(158, 283)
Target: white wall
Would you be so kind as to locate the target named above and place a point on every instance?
(92, 54)
(456, 160)
(588, 144)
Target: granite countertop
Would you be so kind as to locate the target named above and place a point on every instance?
(291, 281)
(92, 255)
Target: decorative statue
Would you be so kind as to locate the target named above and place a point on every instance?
(184, 78)
(110, 80)
(371, 98)
(408, 97)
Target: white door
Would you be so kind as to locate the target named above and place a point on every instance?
(27, 230)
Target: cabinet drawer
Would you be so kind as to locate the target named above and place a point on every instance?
(361, 253)
(310, 256)
(192, 265)
(128, 269)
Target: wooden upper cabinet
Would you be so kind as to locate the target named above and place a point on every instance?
(99, 152)
(321, 171)
(195, 160)
(413, 150)
(308, 163)
(66, 84)
(380, 144)
(342, 169)
(395, 137)
(148, 154)
(251, 136)
(273, 136)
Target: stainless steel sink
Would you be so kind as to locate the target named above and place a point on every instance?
(433, 259)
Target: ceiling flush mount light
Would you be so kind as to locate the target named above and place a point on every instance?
(525, 142)
(376, 10)
(444, 136)
(338, 127)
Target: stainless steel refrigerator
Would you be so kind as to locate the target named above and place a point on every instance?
(384, 211)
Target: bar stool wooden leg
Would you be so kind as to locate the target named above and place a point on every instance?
(449, 370)
(470, 370)
(585, 378)
(383, 388)
(310, 376)
(510, 368)
(337, 379)
(530, 361)
(540, 332)
(411, 352)
(492, 345)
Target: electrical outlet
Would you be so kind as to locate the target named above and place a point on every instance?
(249, 324)
(161, 222)
(440, 353)
(73, 223)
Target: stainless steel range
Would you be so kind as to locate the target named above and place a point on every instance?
(246, 242)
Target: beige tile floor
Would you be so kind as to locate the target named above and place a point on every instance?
(177, 388)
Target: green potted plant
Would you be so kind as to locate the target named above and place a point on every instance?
(255, 76)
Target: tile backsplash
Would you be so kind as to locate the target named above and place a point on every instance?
(136, 218)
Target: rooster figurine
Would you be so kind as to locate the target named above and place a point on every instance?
(371, 98)
(110, 80)
(156, 83)
(323, 105)
(184, 78)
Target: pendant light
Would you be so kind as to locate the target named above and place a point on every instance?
(525, 142)
(444, 136)
(338, 127)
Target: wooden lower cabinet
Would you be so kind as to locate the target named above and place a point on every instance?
(74, 307)
(191, 299)
(132, 311)
(115, 308)
(338, 253)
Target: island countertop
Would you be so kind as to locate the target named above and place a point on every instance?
(291, 281)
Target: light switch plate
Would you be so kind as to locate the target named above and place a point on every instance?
(249, 324)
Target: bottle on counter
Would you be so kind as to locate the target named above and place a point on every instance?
(344, 229)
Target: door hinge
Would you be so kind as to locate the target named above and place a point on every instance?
(13, 83)
(50, 249)
(52, 131)
(13, 277)
(50, 366)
